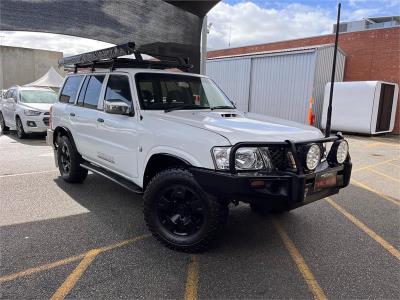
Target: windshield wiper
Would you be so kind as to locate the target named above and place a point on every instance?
(222, 107)
(183, 106)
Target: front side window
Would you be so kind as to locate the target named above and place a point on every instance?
(70, 89)
(37, 96)
(118, 89)
(170, 91)
(93, 90)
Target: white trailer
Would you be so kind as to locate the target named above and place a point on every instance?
(367, 107)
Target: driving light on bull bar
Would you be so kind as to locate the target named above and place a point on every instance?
(313, 156)
(338, 153)
(342, 152)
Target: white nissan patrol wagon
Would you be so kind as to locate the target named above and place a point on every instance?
(179, 140)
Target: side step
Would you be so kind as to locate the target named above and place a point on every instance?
(113, 177)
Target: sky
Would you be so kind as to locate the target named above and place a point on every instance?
(235, 23)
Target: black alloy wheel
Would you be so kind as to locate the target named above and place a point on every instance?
(180, 210)
(65, 158)
(180, 214)
(69, 161)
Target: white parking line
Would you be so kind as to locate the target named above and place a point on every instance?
(47, 154)
(28, 173)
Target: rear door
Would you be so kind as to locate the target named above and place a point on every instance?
(86, 113)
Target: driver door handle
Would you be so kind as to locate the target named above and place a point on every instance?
(100, 120)
(72, 114)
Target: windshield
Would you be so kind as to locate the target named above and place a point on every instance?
(38, 96)
(169, 91)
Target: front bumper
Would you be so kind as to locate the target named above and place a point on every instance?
(291, 188)
(35, 124)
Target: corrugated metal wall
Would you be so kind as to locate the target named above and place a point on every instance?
(323, 70)
(279, 84)
(233, 77)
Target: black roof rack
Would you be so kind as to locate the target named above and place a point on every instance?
(109, 58)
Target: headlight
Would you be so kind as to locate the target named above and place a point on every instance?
(29, 112)
(221, 157)
(245, 158)
(313, 156)
(342, 152)
(248, 159)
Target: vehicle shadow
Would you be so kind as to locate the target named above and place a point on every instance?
(33, 139)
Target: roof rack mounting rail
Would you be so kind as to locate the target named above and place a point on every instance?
(109, 58)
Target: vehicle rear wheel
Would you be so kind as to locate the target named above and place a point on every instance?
(180, 214)
(20, 129)
(69, 162)
(269, 208)
(3, 127)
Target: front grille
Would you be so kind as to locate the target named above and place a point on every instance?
(46, 121)
(281, 158)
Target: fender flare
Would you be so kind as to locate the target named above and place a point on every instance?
(69, 134)
(173, 152)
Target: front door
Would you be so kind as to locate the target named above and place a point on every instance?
(117, 135)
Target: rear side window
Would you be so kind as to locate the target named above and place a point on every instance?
(93, 90)
(83, 91)
(118, 89)
(70, 89)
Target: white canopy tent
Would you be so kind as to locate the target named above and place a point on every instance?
(51, 79)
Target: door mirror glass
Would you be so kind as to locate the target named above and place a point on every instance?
(117, 107)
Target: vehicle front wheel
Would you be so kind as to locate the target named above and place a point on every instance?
(180, 214)
(69, 162)
(3, 127)
(20, 129)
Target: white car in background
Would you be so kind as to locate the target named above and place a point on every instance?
(26, 109)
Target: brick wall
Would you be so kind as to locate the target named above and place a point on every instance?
(370, 55)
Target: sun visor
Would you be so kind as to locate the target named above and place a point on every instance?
(170, 28)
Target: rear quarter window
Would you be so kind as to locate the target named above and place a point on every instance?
(70, 89)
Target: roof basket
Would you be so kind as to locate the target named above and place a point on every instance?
(109, 58)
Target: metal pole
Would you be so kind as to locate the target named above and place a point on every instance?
(203, 59)
(329, 114)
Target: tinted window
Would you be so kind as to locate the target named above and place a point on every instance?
(164, 91)
(70, 89)
(118, 89)
(83, 91)
(93, 91)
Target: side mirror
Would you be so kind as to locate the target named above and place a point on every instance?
(117, 107)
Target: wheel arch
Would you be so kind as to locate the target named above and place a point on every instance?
(161, 161)
(62, 131)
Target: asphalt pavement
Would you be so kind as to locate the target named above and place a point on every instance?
(89, 241)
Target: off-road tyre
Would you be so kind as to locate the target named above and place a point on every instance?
(3, 127)
(20, 128)
(69, 162)
(269, 208)
(155, 207)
